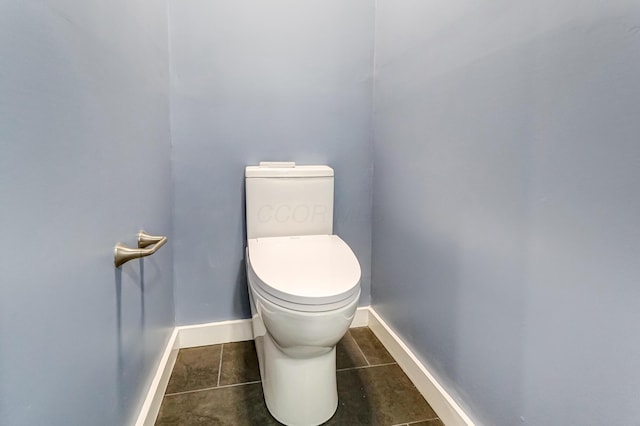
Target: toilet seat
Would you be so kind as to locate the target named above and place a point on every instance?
(309, 273)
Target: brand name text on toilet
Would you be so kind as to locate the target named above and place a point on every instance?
(299, 213)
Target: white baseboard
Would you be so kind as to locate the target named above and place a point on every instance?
(362, 317)
(189, 336)
(153, 400)
(237, 330)
(443, 404)
(214, 333)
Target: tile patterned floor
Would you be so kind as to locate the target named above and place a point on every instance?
(220, 385)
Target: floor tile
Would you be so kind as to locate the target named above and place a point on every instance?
(241, 405)
(381, 395)
(348, 355)
(195, 368)
(368, 395)
(239, 363)
(371, 346)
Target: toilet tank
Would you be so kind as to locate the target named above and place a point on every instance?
(284, 199)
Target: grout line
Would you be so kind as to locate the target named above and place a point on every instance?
(423, 420)
(416, 422)
(220, 365)
(367, 366)
(360, 349)
(213, 388)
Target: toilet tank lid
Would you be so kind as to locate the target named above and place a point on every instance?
(286, 169)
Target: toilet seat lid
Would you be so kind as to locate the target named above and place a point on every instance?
(307, 270)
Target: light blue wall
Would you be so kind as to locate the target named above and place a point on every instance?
(251, 81)
(505, 210)
(84, 163)
(506, 235)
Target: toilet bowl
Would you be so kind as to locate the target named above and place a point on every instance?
(304, 286)
(304, 293)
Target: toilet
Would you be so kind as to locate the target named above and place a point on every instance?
(304, 286)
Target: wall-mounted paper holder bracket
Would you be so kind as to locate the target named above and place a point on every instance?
(123, 254)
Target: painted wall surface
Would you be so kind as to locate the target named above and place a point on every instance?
(84, 163)
(254, 81)
(505, 229)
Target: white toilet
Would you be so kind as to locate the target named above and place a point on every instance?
(304, 285)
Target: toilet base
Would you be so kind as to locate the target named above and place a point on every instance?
(297, 357)
(298, 391)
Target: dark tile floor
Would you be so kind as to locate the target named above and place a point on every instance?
(220, 385)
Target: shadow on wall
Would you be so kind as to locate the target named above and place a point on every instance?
(131, 324)
(241, 293)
